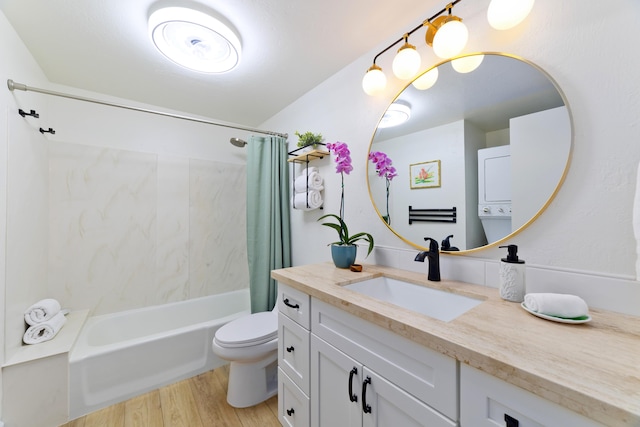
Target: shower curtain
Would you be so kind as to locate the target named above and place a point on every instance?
(268, 217)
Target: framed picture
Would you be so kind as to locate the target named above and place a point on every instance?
(425, 174)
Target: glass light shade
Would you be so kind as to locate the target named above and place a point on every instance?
(406, 62)
(467, 64)
(395, 115)
(426, 80)
(194, 40)
(506, 14)
(450, 39)
(374, 81)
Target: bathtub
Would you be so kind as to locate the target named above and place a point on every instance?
(120, 355)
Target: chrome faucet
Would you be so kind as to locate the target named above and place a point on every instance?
(434, 259)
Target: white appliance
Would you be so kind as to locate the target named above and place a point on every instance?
(494, 191)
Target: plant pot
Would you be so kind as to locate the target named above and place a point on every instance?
(344, 256)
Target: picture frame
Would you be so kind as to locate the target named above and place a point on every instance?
(425, 174)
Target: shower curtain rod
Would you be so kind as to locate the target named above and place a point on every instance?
(19, 86)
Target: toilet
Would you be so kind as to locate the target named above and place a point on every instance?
(250, 343)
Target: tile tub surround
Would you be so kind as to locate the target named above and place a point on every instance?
(591, 369)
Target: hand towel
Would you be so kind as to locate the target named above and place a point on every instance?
(44, 331)
(558, 305)
(41, 311)
(305, 182)
(307, 201)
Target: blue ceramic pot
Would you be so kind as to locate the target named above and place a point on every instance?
(344, 256)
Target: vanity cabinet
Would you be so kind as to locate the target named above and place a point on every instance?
(486, 401)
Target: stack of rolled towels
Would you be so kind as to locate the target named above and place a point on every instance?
(306, 190)
(45, 319)
(557, 305)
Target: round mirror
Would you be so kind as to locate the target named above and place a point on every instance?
(480, 145)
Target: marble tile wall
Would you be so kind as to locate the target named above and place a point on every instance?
(131, 229)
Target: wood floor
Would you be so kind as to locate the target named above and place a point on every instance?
(200, 401)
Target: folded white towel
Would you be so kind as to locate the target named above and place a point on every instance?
(308, 170)
(307, 201)
(305, 182)
(44, 331)
(41, 311)
(559, 305)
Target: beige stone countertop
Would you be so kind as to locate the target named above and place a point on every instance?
(590, 368)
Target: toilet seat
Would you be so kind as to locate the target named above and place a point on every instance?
(255, 329)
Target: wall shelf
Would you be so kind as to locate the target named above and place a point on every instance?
(308, 156)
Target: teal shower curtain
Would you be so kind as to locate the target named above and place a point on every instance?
(268, 217)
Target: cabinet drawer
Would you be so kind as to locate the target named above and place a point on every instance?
(426, 374)
(294, 304)
(486, 401)
(293, 404)
(293, 351)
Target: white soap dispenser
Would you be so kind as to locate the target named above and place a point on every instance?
(512, 284)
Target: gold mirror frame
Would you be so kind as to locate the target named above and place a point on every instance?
(533, 217)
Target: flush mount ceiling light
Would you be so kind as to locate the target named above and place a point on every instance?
(396, 114)
(194, 40)
(448, 36)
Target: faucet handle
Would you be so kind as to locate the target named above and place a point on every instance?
(433, 244)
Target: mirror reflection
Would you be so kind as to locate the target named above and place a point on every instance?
(483, 148)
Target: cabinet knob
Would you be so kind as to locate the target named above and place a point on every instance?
(290, 349)
(290, 411)
(511, 422)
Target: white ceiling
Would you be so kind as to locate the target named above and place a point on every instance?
(289, 47)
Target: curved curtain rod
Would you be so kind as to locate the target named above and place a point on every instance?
(19, 86)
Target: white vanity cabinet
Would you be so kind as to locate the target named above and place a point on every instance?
(486, 401)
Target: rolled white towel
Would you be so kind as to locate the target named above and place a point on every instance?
(307, 201)
(558, 305)
(308, 170)
(305, 182)
(44, 331)
(41, 311)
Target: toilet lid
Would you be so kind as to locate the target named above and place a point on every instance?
(254, 329)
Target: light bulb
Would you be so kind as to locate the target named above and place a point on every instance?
(426, 80)
(374, 81)
(450, 39)
(467, 64)
(506, 14)
(407, 62)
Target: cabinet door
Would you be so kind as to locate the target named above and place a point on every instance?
(386, 405)
(331, 377)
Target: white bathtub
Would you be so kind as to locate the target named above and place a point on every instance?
(120, 355)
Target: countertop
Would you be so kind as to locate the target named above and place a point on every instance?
(591, 368)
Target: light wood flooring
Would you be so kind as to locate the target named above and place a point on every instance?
(200, 401)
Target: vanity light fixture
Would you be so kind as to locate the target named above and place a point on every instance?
(396, 114)
(467, 64)
(426, 80)
(447, 35)
(194, 40)
(506, 14)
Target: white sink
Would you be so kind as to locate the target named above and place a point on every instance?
(435, 303)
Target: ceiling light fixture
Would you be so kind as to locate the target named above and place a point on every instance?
(396, 114)
(194, 40)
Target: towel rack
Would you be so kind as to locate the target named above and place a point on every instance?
(432, 215)
(305, 158)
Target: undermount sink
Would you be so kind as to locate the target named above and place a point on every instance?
(435, 303)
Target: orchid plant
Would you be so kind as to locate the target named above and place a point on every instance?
(343, 166)
(386, 171)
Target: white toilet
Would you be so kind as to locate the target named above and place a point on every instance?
(250, 343)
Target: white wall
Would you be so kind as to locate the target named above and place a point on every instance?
(581, 45)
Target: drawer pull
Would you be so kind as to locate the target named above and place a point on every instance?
(511, 422)
(365, 408)
(352, 397)
(288, 304)
(290, 349)
(290, 411)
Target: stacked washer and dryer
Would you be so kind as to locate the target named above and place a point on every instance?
(494, 191)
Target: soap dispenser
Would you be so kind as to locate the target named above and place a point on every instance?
(512, 284)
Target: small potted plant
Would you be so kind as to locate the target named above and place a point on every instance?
(309, 139)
